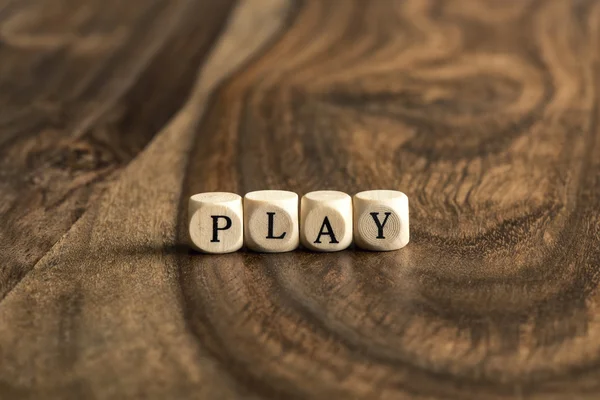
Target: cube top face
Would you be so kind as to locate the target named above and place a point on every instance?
(271, 221)
(215, 222)
(216, 198)
(327, 196)
(326, 221)
(382, 195)
(272, 196)
(381, 220)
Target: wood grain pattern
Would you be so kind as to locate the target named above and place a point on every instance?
(483, 112)
(84, 87)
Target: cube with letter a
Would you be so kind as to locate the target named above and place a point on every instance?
(326, 220)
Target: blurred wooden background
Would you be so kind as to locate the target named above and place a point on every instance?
(485, 112)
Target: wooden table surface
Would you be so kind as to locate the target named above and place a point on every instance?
(484, 112)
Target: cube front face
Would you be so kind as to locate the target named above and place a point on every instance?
(326, 221)
(271, 221)
(216, 223)
(381, 220)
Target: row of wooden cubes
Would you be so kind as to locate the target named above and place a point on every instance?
(268, 221)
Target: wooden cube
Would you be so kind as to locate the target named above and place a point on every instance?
(271, 221)
(326, 220)
(381, 220)
(215, 222)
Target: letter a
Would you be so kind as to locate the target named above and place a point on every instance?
(328, 232)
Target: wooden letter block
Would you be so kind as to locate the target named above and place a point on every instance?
(271, 221)
(215, 222)
(326, 220)
(381, 220)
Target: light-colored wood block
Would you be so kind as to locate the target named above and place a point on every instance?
(271, 221)
(326, 220)
(216, 222)
(381, 220)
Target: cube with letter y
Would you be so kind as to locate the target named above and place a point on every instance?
(326, 220)
(381, 220)
(215, 222)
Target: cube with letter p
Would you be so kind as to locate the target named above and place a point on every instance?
(215, 222)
